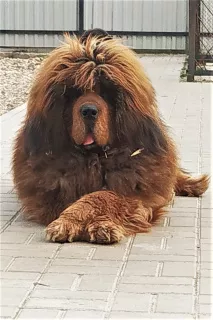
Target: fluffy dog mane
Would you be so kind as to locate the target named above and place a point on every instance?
(135, 158)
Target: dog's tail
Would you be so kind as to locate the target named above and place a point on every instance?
(187, 185)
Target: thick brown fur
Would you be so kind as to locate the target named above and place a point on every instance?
(119, 187)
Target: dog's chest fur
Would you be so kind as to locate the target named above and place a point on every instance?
(71, 176)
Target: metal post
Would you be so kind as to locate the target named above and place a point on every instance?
(192, 40)
(197, 31)
(81, 16)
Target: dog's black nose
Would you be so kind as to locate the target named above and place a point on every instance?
(89, 111)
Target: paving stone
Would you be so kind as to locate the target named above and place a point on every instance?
(19, 275)
(54, 280)
(12, 297)
(142, 315)
(154, 288)
(74, 252)
(84, 314)
(5, 261)
(174, 303)
(132, 279)
(178, 269)
(103, 282)
(205, 308)
(103, 253)
(65, 304)
(38, 314)
(83, 269)
(43, 292)
(29, 264)
(182, 221)
(206, 285)
(131, 302)
(8, 312)
(15, 237)
(145, 268)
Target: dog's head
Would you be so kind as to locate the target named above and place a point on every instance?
(91, 93)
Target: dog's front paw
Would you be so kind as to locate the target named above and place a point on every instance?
(61, 230)
(104, 232)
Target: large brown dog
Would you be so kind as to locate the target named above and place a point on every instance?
(93, 159)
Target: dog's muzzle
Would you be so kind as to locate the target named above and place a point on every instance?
(90, 120)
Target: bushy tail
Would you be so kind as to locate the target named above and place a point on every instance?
(190, 186)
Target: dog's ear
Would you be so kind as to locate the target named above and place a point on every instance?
(139, 131)
(98, 33)
(45, 131)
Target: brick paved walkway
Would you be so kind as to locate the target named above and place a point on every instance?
(165, 274)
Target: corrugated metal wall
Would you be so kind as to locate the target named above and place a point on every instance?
(111, 15)
(59, 15)
(137, 15)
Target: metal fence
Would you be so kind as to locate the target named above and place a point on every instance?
(200, 60)
(144, 24)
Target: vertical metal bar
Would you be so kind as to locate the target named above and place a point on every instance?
(197, 31)
(192, 26)
(81, 16)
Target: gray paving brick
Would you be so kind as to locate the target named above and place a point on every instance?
(77, 252)
(182, 222)
(206, 232)
(174, 303)
(87, 263)
(5, 261)
(38, 314)
(181, 232)
(103, 282)
(205, 315)
(142, 315)
(12, 297)
(10, 283)
(178, 269)
(83, 314)
(131, 302)
(83, 269)
(206, 309)
(138, 268)
(206, 256)
(43, 292)
(132, 279)
(8, 312)
(206, 213)
(10, 206)
(162, 255)
(65, 304)
(205, 273)
(14, 237)
(54, 280)
(181, 244)
(206, 298)
(156, 288)
(19, 275)
(29, 264)
(113, 253)
(206, 286)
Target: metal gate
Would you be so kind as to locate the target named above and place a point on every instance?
(200, 61)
